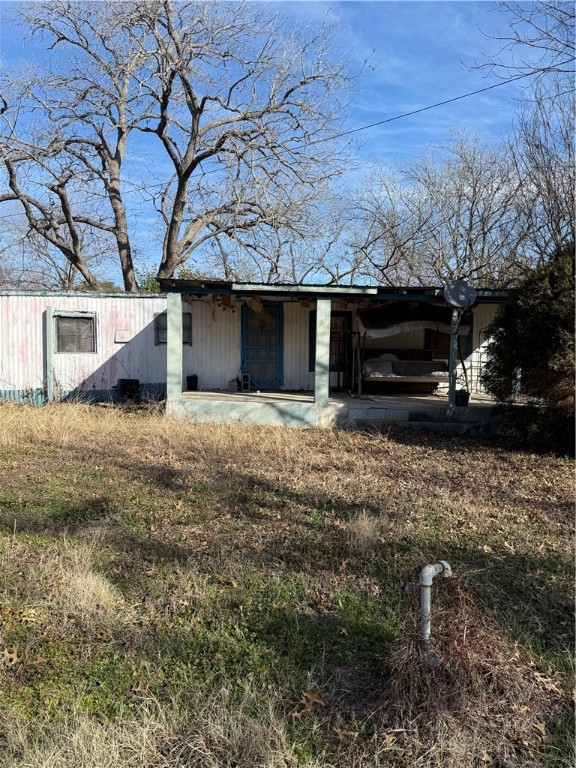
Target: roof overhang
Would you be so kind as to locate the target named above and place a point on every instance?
(222, 288)
(351, 292)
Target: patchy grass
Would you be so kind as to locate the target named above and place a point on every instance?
(364, 532)
(178, 594)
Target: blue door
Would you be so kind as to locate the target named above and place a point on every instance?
(262, 346)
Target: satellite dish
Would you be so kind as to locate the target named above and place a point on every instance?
(459, 294)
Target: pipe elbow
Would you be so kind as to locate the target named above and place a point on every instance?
(447, 572)
(429, 572)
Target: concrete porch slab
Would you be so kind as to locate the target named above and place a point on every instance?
(298, 409)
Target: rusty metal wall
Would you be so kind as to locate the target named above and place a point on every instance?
(125, 343)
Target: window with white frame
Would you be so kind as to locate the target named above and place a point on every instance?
(161, 328)
(75, 333)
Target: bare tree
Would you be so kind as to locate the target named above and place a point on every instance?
(46, 203)
(389, 227)
(451, 214)
(85, 105)
(543, 149)
(241, 118)
(312, 252)
(239, 101)
(540, 41)
(29, 260)
(541, 38)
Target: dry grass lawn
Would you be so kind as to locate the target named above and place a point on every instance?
(176, 594)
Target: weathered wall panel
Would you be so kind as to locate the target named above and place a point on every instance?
(125, 344)
(297, 347)
(21, 348)
(215, 354)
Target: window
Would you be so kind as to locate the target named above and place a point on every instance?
(75, 333)
(161, 328)
(340, 340)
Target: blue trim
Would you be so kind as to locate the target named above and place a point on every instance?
(30, 396)
(277, 311)
(148, 392)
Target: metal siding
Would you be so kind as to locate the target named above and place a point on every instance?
(21, 349)
(22, 353)
(296, 347)
(139, 358)
(215, 354)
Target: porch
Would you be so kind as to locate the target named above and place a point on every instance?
(282, 340)
(298, 409)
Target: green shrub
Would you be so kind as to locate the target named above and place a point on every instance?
(531, 356)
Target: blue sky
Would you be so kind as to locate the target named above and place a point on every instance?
(417, 53)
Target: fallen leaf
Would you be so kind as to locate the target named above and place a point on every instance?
(309, 698)
(10, 658)
(541, 728)
(314, 698)
(549, 684)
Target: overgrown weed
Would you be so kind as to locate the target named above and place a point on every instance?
(175, 593)
(218, 732)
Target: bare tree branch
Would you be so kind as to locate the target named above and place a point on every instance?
(540, 41)
(440, 219)
(236, 115)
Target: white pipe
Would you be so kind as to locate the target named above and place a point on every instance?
(426, 577)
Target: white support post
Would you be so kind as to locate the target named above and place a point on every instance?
(49, 353)
(174, 348)
(322, 368)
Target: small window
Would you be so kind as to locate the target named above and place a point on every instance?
(75, 334)
(161, 328)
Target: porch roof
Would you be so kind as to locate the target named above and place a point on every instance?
(373, 293)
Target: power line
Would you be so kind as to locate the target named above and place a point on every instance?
(365, 127)
(423, 109)
(405, 114)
